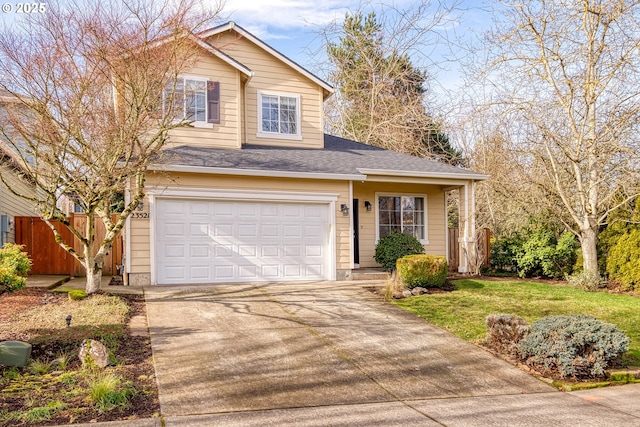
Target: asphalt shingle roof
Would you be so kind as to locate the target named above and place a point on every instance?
(339, 156)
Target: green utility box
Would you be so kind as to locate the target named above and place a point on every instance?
(14, 353)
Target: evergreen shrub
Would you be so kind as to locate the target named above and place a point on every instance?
(624, 260)
(505, 331)
(429, 271)
(575, 346)
(14, 267)
(396, 245)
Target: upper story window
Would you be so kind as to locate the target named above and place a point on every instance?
(279, 115)
(402, 213)
(197, 100)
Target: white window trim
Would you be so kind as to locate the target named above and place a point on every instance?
(198, 123)
(277, 135)
(424, 241)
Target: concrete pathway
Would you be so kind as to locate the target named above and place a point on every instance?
(330, 353)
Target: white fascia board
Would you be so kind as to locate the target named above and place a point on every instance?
(418, 174)
(256, 172)
(233, 26)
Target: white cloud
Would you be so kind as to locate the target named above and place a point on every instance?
(273, 19)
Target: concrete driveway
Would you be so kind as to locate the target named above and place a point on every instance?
(332, 353)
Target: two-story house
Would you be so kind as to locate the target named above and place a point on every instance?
(256, 191)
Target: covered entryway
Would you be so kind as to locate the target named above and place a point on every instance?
(220, 241)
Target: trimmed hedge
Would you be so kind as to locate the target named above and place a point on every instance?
(396, 245)
(576, 346)
(429, 271)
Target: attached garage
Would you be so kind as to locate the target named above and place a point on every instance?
(223, 241)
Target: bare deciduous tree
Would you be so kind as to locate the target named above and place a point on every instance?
(564, 77)
(89, 114)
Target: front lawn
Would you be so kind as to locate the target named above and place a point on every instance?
(463, 311)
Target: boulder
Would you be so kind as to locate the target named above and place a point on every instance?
(397, 295)
(418, 291)
(93, 352)
(407, 293)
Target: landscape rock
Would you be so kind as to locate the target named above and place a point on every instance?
(407, 293)
(418, 291)
(93, 352)
(397, 295)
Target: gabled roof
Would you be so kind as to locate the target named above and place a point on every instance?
(233, 26)
(340, 159)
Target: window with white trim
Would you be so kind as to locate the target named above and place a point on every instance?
(402, 213)
(196, 99)
(279, 115)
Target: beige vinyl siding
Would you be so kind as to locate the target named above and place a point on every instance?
(140, 229)
(436, 220)
(272, 75)
(12, 205)
(227, 134)
(140, 245)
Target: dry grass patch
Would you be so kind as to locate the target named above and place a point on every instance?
(96, 311)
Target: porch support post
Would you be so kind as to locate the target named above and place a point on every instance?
(467, 224)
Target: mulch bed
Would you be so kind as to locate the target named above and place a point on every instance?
(134, 363)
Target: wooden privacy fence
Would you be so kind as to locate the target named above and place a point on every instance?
(49, 258)
(483, 246)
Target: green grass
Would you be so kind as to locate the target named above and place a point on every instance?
(463, 311)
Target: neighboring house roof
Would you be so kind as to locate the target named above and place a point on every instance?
(237, 28)
(340, 159)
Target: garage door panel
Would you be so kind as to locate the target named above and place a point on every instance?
(269, 251)
(247, 251)
(222, 230)
(199, 251)
(200, 272)
(173, 229)
(270, 271)
(224, 241)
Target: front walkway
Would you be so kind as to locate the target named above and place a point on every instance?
(334, 354)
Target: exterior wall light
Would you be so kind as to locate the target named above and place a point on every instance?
(367, 204)
(345, 209)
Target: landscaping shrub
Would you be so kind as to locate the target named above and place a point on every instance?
(77, 294)
(396, 245)
(429, 271)
(505, 331)
(544, 255)
(504, 253)
(14, 267)
(624, 258)
(575, 346)
(587, 281)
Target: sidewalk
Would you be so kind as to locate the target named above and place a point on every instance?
(52, 281)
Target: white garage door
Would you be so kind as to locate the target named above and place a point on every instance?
(222, 241)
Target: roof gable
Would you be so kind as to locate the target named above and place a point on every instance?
(246, 34)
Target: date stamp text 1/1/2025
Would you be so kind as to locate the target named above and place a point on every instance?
(24, 8)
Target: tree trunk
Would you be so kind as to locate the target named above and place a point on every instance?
(589, 238)
(94, 274)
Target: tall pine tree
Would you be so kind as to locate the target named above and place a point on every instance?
(380, 94)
